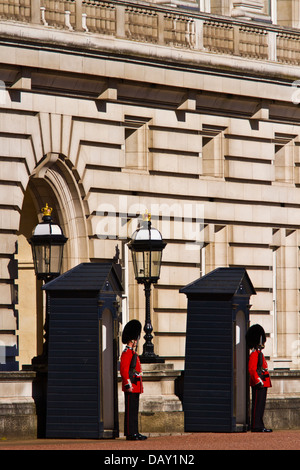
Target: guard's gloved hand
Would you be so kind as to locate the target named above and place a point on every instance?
(259, 385)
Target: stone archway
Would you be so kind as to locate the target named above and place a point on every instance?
(52, 182)
(53, 173)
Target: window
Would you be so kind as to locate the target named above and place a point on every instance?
(136, 143)
(213, 151)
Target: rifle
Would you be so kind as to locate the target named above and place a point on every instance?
(132, 370)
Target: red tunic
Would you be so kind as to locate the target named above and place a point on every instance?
(254, 377)
(136, 383)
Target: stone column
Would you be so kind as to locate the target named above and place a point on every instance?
(78, 15)
(35, 11)
(120, 21)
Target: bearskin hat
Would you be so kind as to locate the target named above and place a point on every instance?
(255, 336)
(131, 331)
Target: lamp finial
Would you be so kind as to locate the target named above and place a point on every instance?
(147, 217)
(46, 210)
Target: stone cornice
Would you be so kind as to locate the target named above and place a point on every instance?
(41, 39)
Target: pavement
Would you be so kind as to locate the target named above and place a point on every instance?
(184, 445)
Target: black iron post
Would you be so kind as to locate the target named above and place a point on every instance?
(148, 347)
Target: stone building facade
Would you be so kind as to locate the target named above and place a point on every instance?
(186, 109)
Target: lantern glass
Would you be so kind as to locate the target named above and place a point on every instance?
(146, 265)
(146, 247)
(47, 259)
(155, 263)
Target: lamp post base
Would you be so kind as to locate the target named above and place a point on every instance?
(151, 359)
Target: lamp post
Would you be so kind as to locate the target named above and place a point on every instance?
(47, 244)
(146, 247)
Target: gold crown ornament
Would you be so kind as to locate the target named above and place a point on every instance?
(146, 216)
(46, 210)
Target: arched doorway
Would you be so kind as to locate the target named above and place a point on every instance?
(56, 186)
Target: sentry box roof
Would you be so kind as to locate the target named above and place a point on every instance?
(226, 281)
(88, 277)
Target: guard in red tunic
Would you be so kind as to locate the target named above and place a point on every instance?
(259, 376)
(132, 386)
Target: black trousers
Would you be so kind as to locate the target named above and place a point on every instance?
(259, 396)
(131, 424)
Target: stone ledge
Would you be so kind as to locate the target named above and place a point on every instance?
(282, 413)
(153, 404)
(285, 384)
(17, 408)
(285, 373)
(17, 375)
(159, 371)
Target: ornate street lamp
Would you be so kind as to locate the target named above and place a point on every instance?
(47, 244)
(146, 247)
